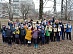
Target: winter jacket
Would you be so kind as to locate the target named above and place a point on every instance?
(39, 33)
(42, 33)
(8, 32)
(13, 29)
(22, 32)
(69, 29)
(62, 27)
(47, 33)
(4, 33)
(35, 34)
(17, 32)
(17, 24)
(10, 24)
(28, 34)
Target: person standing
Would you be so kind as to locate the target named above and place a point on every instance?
(9, 34)
(3, 30)
(22, 35)
(42, 36)
(28, 36)
(35, 37)
(17, 32)
(68, 30)
(47, 35)
(62, 30)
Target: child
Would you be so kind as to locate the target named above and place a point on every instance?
(39, 35)
(13, 38)
(22, 35)
(17, 32)
(54, 33)
(47, 35)
(28, 36)
(68, 30)
(9, 34)
(65, 27)
(43, 36)
(35, 37)
(3, 33)
(10, 23)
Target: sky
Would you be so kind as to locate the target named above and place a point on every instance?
(48, 4)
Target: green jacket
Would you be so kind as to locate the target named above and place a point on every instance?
(47, 33)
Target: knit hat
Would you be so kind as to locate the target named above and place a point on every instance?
(29, 28)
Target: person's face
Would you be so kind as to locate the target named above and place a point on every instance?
(69, 23)
(39, 29)
(43, 28)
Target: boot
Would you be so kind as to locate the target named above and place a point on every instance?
(36, 45)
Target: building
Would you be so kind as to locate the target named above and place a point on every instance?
(3, 10)
(17, 5)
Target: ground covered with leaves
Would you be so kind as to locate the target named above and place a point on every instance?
(62, 47)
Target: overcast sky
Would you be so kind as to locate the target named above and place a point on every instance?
(48, 4)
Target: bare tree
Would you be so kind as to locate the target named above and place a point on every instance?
(6, 7)
(62, 9)
(41, 9)
(10, 11)
(69, 7)
(24, 10)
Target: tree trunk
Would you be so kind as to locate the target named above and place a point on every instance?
(23, 16)
(62, 9)
(10, 11)
(66, 11)
(41, 9)
(0, 26)
(55, 8)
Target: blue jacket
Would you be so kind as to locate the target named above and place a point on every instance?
(8, 32)
(13, 29)
(42, 33)
(10, 24)
(69, 29)
(4, 33)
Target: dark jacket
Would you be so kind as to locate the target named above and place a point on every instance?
(22, 32)
(10, 24)
(62, 26)
(8, 32)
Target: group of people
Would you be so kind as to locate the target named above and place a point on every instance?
(30, 32)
